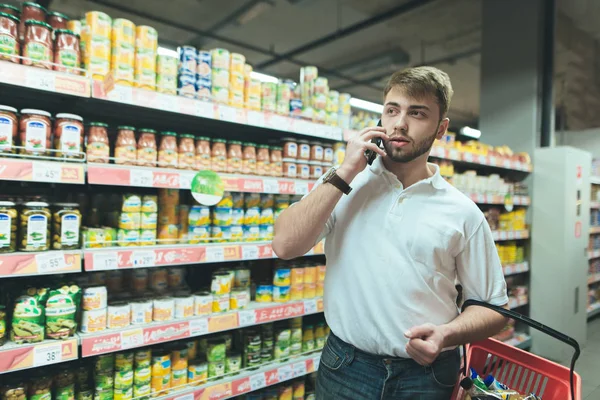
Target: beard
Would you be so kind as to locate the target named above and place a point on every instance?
(410, 151)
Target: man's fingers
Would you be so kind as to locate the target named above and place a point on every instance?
(372, 129)
(373, 147)
(415, 355)
(373, 134)
(419, 331)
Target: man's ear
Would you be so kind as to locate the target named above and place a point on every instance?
(442, 128)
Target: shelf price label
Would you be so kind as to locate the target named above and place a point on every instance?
(249, 252)
(50, 261)
(215, 254)
(310, 306)
(199, 327)
(143, 258)
(247, 318)
(141, 177)
(46, 172)
(258, 381)
(47, 354)
(131, 339)
(285, 373)
(256, 118)
(40, 80)
(299, 369)
(105, 261)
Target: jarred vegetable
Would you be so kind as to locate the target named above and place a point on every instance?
(38, 46)
(97, 143)
(35, 227)
(8, 227)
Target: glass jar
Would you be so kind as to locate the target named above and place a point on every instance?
(66, 223)
(203, 154)
(68, 135)
(316, 169)
(167, 151)
(339, 153)
(146, 148)
(316, 151)
(8, 227)
(276, 161)
(67, 55)
(126, 146)
(249, 158)
(328, 153)
(8, 129)
(40, 388)
(10, 49)
(303, 150)
(57, 20)
(263, 160)
(10, 10)
(234, 157)
(34, 128)
(35, 227)
(219, 155)
(97, 149)
(290, 148)
(303, 170)
(33, 11)
(290, 168)
(187, 151)
(38, 46)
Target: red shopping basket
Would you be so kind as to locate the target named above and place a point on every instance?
(521, 370)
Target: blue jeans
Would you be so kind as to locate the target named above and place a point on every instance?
(348, 373)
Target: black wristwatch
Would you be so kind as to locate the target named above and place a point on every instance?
(333, 178)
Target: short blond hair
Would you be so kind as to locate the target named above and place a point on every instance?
(418, 82)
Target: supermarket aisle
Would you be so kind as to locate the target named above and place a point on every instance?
(588, 365)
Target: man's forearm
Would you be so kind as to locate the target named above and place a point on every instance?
(474, 324)
(298, 228)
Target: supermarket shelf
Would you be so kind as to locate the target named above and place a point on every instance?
(41, 263)
(159, 332)
(43, 79)
(513, 269)
(593, 254)
(204, 109)
(521, 341)
(595, 205)
(516, 302)
(249, 381)
(164, 255)
(594, 278)
(510, 235)
(498, 199)
(121, 175)
(15, 169)
(593, 310)
(594, 230)
(595, 180)
(14, 357)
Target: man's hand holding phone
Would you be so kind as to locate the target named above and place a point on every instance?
(355, 160)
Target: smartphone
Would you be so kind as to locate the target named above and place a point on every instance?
(370, 154)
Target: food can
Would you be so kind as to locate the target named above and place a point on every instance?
(197, 372)
(148, 220)
(308, 73)
(124, 363)
(221, 284)
(237, 216)
(204, 64)
(93, 321)
(198, 234)
(220, 234)
(297, 292)
(105, 362)
(149, 203)
(220, 58)
(220, 94)
(147, 237)
(236, 98)
(184, 307)
(94, 298)
(192, 348)
(296, 275)
(269, 96)
(129, 220)
(321, 271)
(127, 237)
(240, 298)
(179, 378)
(186, 85)
(143, 390)
(146, 37)
(266, 216)
(251, 233)
(98, 24)
(141, 312)
(281, 294)
(220, 78)
(282, 276)
(233, 363)
(216, 369)
(123, 31)
(333, 102)
(188, 60)
(236, 82)
(264, 293)
(123, 393)
(142, 358)
(284, 94)
(220, 303)
(237, 63)
(203, 303)
(266, 232)
(252, 216)
(253, 94)
(122, 62)
(159, 279)
(320, 289)
(241, 277)
(175, 277)
(344, 104)
(161, 372)
(310, 290)
(203, 87)
(163, 309)
(118, 315)
(222, 216)
(310, 274)
(139, 280)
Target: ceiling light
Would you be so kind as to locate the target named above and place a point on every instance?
(366, 105)
(163, 51)
(263, 77)
(470, 132)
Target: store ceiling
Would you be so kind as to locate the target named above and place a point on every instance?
(446, 33)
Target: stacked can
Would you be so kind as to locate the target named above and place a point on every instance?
(236, 80)
(252, 90)
(284, 94)
(142, 374)
(252, 347)
(161, 372)
(104, 381)
(123, 51)
(308, 75)
(204, 75)
(319, 101)
(168, 215)
(344, 110)
(179, 366)
(266, 353)
(95, 43)
(198, 224)
(123, 376)
(146, 45)
(188, 60)
(296, 101)
(282, 283)
(332, 108)
(269, 96)
(251, 226)
(221, 61)
(267, 217)
(93, 304)
(166, 74)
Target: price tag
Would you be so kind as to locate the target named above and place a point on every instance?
(299, 369)
(493, 161)
(468, 157)
(215, 254)
(167, 103)
(143, 258)
(511, 235)
(256, 118)
(249, 252)
(47, 354)
(227, 113)
(271, 186)
(132, 338)
(50, 262)
(38, 79)
(285, 373)
(506, 163)
(247, 318)
(316, 362)
(205, 109)
(141, 177)
(121, 94)
(105, 261)
(310, 306)
(198, 327)
(46, 172)
(301, 188)
(189, 396)
(454, 155)
(482, 160)
(185, 180)
(258, 381)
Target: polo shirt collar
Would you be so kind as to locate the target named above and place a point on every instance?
(435, 180)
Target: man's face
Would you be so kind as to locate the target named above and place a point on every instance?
(412, 125)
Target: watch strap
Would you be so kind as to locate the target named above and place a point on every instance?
(338, 182)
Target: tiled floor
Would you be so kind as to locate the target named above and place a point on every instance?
(588, 365)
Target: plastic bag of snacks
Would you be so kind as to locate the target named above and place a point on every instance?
(61, 307)
(488, 388)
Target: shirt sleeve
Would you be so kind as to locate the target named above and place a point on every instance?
(331, 220)
(479, 269)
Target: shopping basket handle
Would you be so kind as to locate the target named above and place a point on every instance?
(534, 324)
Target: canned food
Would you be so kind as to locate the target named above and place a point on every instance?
(184, 307)
(221, 284)
(269, 96)
(203, 303)
(252, 216)
(203, 87)
(94, 298)
(199, 234)
(186, 85)
(141, 312)
(251, 233)
(264, 293)
(139, 278)
(220, 303)
(241, 277)
(220, 94)
(161, 371)
(199, 216)
(282, 276)
(197, 372)
(222, 216)
(118, 315)
(240, 298)
(176, 277)
(93, 321)
(188, 59)
(163, 309)
(281, 294)
(158, 279)
(221, 234)
(204, 64)
(142, 358)
(237, 63)
(233, 363)
(297, 292)
(220, 58)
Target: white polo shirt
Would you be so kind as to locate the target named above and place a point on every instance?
(394, 256)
